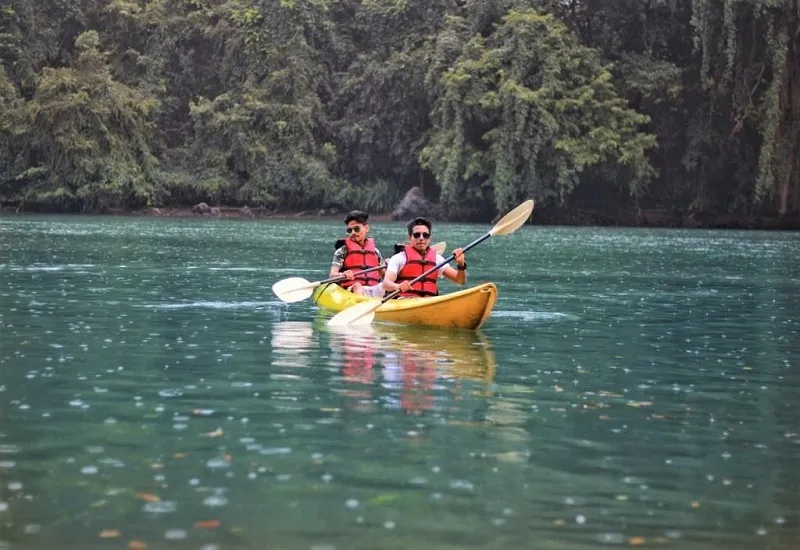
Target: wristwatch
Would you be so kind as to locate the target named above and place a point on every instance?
(462, 267)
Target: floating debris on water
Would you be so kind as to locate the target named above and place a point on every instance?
(215, 501)
(175, 534)
(160, 507)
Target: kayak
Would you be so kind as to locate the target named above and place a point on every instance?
(464, 309)
(459, 354)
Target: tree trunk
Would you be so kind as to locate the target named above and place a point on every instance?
(784, 194)
(790, 110)
(793, 184)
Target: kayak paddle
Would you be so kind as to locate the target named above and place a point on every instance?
(363, 313)
(295, 289)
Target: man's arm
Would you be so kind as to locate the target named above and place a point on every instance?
(381, 272)
(337, 262)
(393, 267)
(458, 276)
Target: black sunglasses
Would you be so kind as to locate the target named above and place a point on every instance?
(357, 229)
(425, 235)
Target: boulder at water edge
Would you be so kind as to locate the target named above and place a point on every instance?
(414, 204)
(201, 208)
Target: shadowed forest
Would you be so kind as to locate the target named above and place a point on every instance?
(633, 112)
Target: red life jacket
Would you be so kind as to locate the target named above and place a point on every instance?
(416, 265)
(358, 258)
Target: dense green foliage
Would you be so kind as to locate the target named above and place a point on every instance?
(289, 104)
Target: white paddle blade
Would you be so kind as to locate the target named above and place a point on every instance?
(358, 314)
(513, 220)
(440, 247)
(293, 289)
(364, 320)
(297, 295)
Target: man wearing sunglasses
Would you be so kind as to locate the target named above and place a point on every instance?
(356, 253)
(418, 257)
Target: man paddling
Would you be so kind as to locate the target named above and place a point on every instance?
(416, 258)
(355, 253)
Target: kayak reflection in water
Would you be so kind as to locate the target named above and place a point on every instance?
(292, 342)
(413, 375)
(420, 371)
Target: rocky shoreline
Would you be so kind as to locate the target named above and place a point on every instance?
(249, 213)
(541, 216)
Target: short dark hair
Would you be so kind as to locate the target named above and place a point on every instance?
(356, 215)
(419, 220)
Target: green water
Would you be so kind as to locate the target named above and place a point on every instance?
(632, 387)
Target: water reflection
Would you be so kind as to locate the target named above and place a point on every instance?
(292, 342)
(409, 368)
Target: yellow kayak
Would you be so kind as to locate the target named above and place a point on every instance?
(460, 354)
(465, 309)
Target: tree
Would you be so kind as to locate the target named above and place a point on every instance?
(524, 112)
(9, 126)
(719, 80)
(88, 138)
(750, 60)
(265, 141)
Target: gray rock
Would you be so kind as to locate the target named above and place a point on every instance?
(201, 208)
(414, 204)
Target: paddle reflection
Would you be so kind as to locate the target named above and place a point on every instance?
(410, 369)
(291, 343)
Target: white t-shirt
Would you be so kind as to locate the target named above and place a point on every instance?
(397, 262)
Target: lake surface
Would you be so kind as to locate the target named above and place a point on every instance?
(632, 388)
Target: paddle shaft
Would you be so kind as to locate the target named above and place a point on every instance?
(341, 276)
(447, 260)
